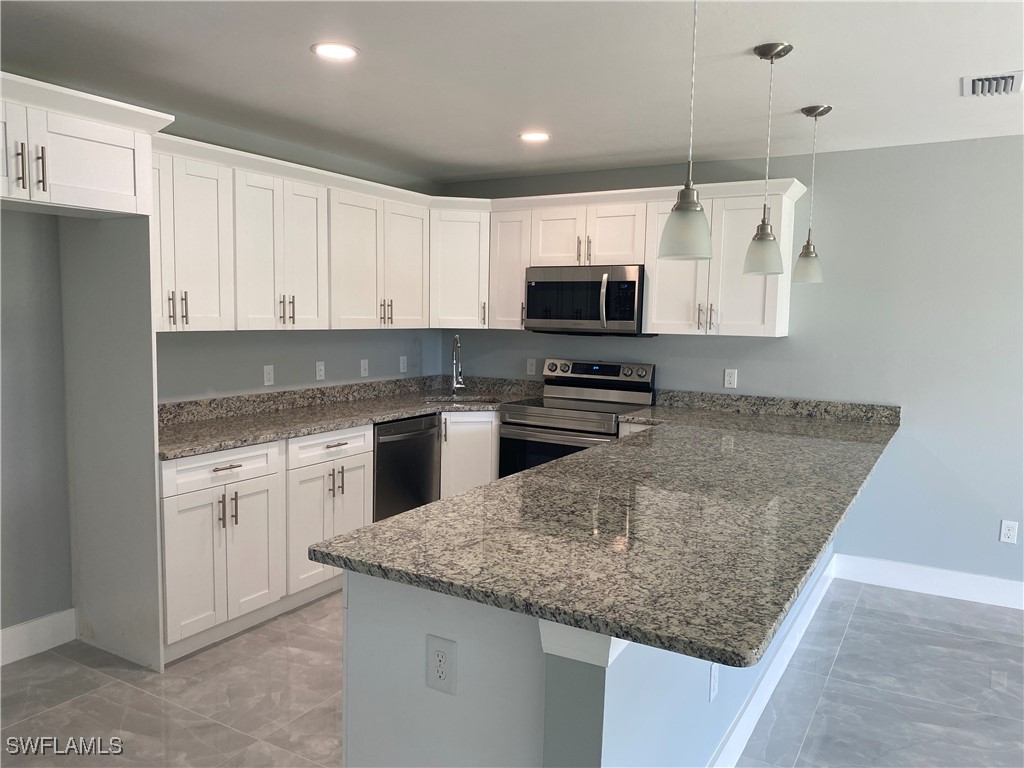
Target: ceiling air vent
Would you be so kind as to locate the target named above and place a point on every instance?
(991, 85)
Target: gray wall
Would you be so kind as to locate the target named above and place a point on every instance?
(34, 527)
(215, 364)
(922, 307)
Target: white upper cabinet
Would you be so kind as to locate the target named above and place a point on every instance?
(259, 245)
(161, 245)
(15, 164)
(357, 258)
(675, 291)
(469, 451)
(306, 286)
(584, 235)
(458, 269)
(509, 257)
(406, 283)
(199, 263)
(615, 234)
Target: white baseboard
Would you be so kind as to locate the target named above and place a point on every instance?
(733, 744)
(42, 634)
(931, 581)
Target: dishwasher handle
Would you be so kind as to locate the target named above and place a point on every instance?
(408, 435)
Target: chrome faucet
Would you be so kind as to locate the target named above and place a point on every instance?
(457, 382)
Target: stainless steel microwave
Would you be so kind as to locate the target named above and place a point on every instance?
(590, 300)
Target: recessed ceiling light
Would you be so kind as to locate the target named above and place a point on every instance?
(534, 136)
(335, 51)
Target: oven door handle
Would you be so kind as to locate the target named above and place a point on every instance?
(604, 300)
(551, 436)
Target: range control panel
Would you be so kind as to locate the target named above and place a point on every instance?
(599, 370)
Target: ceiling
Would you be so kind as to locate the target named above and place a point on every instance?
(442, 89)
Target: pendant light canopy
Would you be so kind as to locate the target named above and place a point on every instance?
(764, 257)
(808, 268)
(686, 234)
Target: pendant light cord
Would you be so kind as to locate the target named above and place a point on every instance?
(693, 86)
(814, 155)
(768, 151)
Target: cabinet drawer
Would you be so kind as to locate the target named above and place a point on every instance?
(314, 449)
(212, 469)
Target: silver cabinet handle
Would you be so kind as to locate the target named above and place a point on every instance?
(484, 321)
(445, 430)
(391, 311)
(578, 246)
(711, 315)
(589, 256)
(382, 320)
(700, 313)
(291, 308)
(170, 306)
(234, 501)
(23, 157)
(184, 306)
(222, 518)
(330, 487)
(522, 313)
(42, 161)
(228, 468)
(283, 299)
(335, 445)
(604, 299)
(342, 480)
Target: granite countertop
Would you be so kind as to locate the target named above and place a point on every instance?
(695, 536)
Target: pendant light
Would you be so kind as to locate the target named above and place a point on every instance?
(686, 234)
(808, 268)
(763, 254)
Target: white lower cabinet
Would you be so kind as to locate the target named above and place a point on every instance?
(469, 451)
(224, 553)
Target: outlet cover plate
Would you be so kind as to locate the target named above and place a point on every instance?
(731, 375)
(1008, 531)
(531, 367)
(320, 370)
(441, 664)
(268, 375)
(403, 364)
(364, 368)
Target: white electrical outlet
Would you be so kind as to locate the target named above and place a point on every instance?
(1008, 531)
(730, 378)
(364, 368)
(531, 367)
(441, 667)
(268, 375)
(321, 370)
(403, 364)
(713, 687)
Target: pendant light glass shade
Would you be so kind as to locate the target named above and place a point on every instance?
(687, 234)
(764, 257)
(808, 267)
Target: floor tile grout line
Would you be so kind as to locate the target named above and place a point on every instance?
(5, 726)
(285, 725)
(940, 631)
(965, 710)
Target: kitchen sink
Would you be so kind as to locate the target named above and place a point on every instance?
(461, 399)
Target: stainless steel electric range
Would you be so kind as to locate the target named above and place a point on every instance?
(580, 408)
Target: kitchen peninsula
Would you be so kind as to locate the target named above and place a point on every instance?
(589, 597)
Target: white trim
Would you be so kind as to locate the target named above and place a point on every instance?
(579, 644)
(38, 635)
(961, 585)
(736, 738)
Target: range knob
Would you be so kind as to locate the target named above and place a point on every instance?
(552, 367)
(627, 371)
(641, 372)
(564, 367)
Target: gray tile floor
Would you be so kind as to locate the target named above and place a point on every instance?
(270, 697)
(884, 677)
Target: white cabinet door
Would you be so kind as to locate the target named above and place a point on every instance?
(469, 451)
(195, 581)
(557, 236)
(305, 255)
(310, 510)
(259, 245)
(16, 160)
(161, 247)
(510, 256)
(458, 269)
(88, 164)
(406, 266)
(204, 274)
(256, 560)
(615, 234)
(353, 493)
(357, 258)
(675, 291)
(739, 304)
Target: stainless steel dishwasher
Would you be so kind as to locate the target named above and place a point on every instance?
(406, 464)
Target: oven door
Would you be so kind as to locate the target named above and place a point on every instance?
(585, 299)
(525, 447)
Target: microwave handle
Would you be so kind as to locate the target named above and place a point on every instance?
(604, 299)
